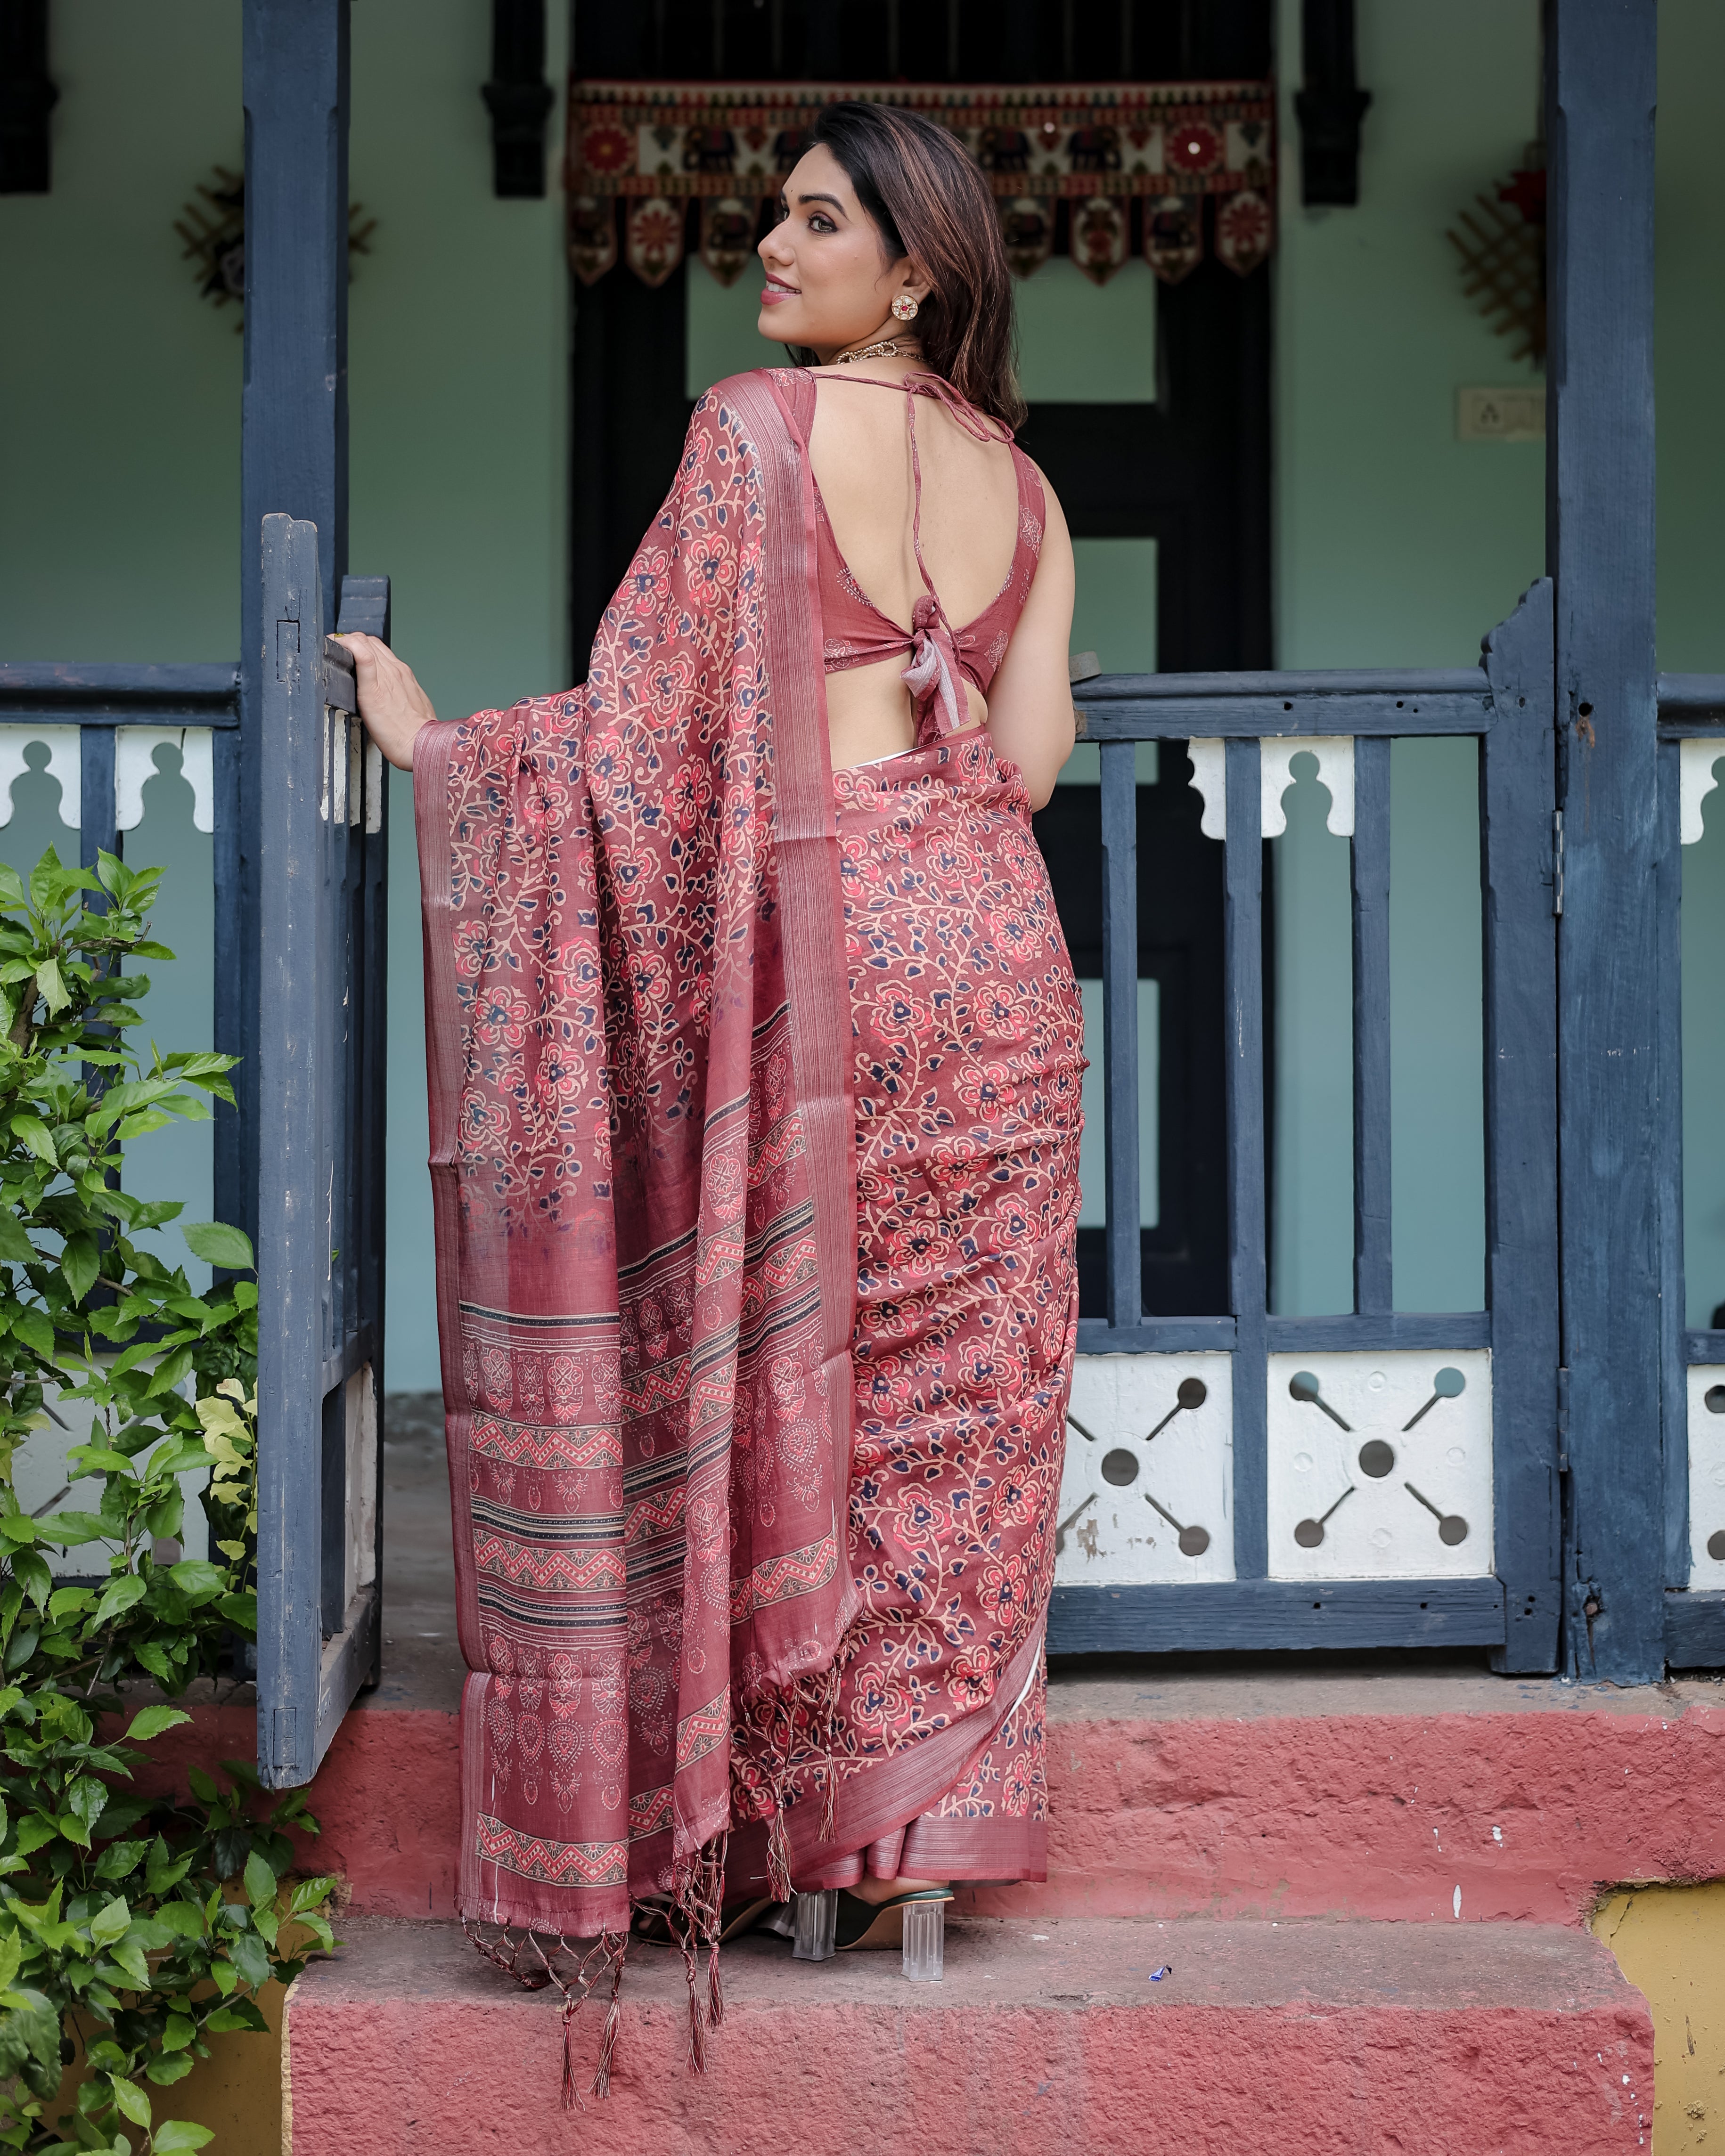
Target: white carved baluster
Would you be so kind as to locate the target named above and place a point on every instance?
(135, 766)
(1696, 759)
(66, 762)
(1335, 753)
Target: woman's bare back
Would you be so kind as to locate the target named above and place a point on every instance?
(860, 449)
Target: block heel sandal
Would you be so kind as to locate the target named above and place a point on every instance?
(864, 1925)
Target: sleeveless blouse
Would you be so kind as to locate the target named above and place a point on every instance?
(858, 632)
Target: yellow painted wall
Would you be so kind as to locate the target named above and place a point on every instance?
(236, 2092)
(1670, 1942)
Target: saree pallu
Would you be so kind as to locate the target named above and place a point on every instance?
(639, 1052)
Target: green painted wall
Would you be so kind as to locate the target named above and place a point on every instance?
(1690, 330)
(119, 448)
(1395, 542)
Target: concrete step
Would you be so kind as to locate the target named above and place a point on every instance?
(1309, 2039)
(1284, 1795)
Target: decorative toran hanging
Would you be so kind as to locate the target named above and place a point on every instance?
(1067, 165)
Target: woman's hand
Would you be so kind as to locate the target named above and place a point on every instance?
(392, 704)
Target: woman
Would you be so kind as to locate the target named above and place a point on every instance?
(756, 1062)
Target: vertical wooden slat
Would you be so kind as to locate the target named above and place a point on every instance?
(1674, 1360)
(365, 605)
(332, 1477)
(1599, 467)
(1015, 24)
(27, 136)
(1242, 940)
(293, 429)
(293, 464)
(97, 832)
(1373, 1285)
(293, 1245)
(1520, 1076)
(1120, 1029)
(234, 1202)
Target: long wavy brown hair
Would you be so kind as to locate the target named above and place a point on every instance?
(929, 201)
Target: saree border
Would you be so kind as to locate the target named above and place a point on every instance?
(805, 836)
(886, 1795)
(432, 746)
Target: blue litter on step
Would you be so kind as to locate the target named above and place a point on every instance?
(1157, 1974)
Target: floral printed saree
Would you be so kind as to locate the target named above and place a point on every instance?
(754, 1117)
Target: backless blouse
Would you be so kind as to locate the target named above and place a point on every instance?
(856, 632)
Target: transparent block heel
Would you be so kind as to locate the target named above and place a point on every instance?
(817, 1927)
(925, 1942)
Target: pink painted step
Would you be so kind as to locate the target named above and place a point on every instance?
(1360, 1796)
(1374, 1796)
(1307, 2039)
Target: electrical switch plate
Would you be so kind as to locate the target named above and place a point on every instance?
(1500, 415)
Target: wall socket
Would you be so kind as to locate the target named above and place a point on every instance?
(1500, 415)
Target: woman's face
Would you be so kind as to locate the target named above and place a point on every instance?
(829, 283)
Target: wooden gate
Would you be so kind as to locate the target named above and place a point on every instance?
(1387, 1478)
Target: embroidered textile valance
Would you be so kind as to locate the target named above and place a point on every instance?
(1095, 171)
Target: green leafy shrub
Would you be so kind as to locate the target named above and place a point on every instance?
(131, 1930)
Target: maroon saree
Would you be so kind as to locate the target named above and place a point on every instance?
(754, 1117)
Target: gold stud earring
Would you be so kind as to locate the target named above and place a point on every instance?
(904, 308)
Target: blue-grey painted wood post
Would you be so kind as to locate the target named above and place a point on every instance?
(97, 831)
(293, 429)
(1243, 949)
(229, 1015)
(1119, 1029)
(1517, 871)
(1599, 467)
(1373, 1283)
(1673, 1347)
(293, 1241)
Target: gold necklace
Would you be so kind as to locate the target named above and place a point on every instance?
(891, 348)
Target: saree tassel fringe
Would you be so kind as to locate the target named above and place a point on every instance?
(829, 1801)
(778, 1857)
(523, 1955)
(601, 2086)
(700, 1903)
(715, 1993)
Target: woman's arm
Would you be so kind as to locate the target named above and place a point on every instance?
(1030, 714)
(392, 704)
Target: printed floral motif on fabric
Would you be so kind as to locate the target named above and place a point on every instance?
(969, 1037)
(625, 1207)
(1009, 1780)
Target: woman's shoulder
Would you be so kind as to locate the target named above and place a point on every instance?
(754, 378)
(752, 394)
